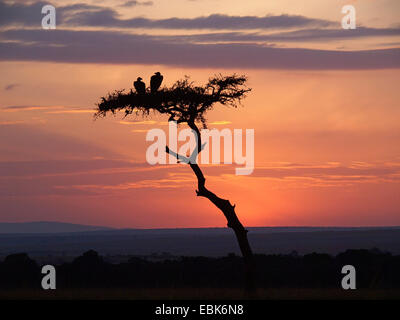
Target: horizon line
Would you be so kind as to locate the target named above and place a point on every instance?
(208, 227)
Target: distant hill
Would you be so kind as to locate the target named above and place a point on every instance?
(51, 239)
(46, 227)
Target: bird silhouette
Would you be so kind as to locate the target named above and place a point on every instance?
(140, 86)
(155, 82)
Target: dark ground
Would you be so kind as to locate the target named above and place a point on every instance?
(199, 294)
(312, 276)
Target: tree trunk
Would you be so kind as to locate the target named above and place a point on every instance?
(227, 209)
(233, 222)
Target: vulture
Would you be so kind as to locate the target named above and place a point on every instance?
(140, 86)
(155, 81)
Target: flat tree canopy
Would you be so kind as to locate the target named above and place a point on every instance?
(182, 102)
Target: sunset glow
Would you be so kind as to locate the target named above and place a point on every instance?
(327, 134)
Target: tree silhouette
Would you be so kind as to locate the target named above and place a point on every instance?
(186, 103)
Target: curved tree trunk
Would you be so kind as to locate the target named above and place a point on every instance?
(227, 209)
(233, 222)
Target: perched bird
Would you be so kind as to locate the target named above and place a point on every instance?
(140, 86)
(155, 81)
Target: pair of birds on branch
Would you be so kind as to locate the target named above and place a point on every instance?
(155, 83)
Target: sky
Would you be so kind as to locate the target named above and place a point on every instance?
(324, 107)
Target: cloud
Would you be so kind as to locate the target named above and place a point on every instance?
(329, 175)
(37, 142)
(134, 3)
(81, 14)
(27, 108)
(109, 18)
(80, 177)
(332, 34)
(144, 122)
(18, 13)
(221, 122)
(122, 48)
(223, 49)
(53, 109)
(46, 168)
(175, 183)
(77, 111)
(288, 36)
(104, 176)
(10, 123)
(11, 86)
(22, 122)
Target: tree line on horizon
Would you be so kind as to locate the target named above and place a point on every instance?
(375, 269)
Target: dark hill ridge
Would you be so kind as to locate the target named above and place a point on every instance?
(44, 227)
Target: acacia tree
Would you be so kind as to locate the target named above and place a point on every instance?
(188, 104)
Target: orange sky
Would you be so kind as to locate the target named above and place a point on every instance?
(327, 149)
